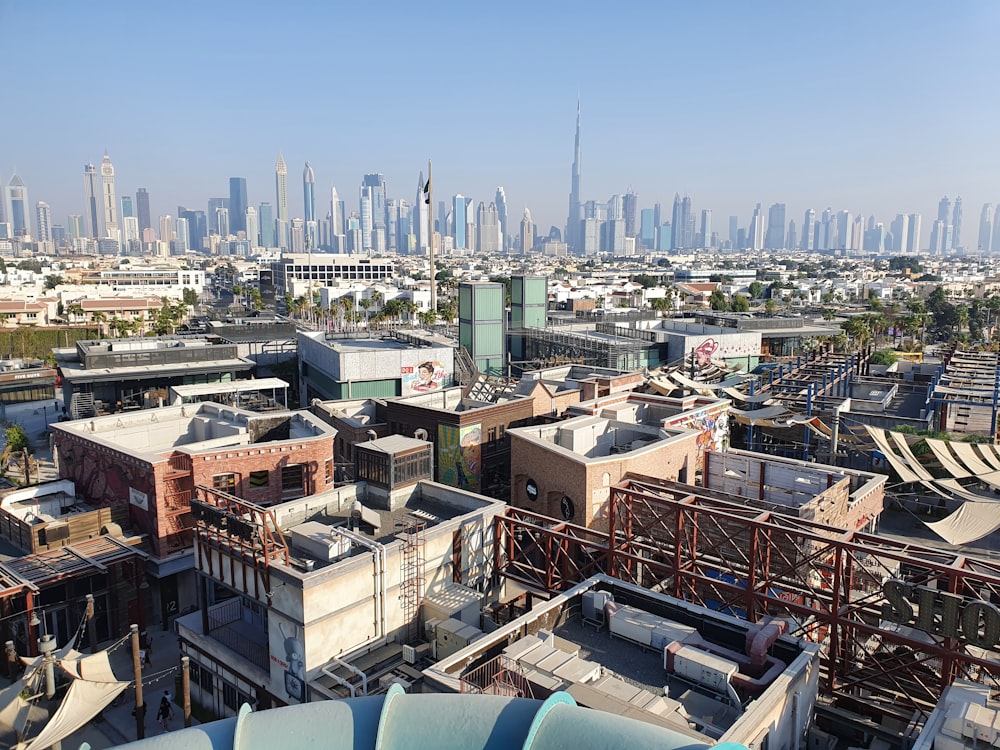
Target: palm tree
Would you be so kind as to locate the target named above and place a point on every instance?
(100, 318)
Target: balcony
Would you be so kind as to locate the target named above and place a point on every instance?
(244, 632)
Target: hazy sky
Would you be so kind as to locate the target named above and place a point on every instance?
(870, 106)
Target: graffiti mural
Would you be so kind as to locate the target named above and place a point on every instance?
(105, 477)
(288, 666)
(459, 456)
(711, 423)
(426, 376)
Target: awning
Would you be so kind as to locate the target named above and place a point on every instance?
(972, 521)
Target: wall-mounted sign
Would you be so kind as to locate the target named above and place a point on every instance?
(531, 490)
(566, 508)
(941, 613)
(137, 498)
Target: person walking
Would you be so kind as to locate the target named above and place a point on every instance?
(163, 714)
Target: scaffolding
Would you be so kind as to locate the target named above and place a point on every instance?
(545, 345)
(411, 586)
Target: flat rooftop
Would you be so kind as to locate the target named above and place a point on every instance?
(194, 428)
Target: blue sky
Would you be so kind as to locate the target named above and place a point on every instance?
(877, 107)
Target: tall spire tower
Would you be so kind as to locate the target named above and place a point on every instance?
(309, 193)
(575, 207)
(281, 187)
(108, 200)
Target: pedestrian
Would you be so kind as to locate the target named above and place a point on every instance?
(163, 714)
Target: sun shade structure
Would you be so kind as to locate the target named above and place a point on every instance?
(399, 721)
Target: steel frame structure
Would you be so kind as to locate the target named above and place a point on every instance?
(755, 563)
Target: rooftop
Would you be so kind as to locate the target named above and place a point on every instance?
(193, 428)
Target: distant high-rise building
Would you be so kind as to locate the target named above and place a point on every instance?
(501, 204)
(19, 211)
(706, 227)
(43, 222)
(108, 200)
(647, 228)
(265, 217)
(995, 248)
(757, 229)
(899, 231)
(76, 227)
(937, 246)
(93, 192)
(664, 237)
(127, 209)
(808, 228)
(297, 236)
(687, 216)
(252, 227)
(792, 239)
(774, 238)
(281, 189)
(956, 224)
(238, 205)
(366, 219)
(527, 235)
(182, 238)
(214, 205)
(222, 221)
(616, 208)
(142, 209)
(734, 228)
(913, 240)
(166, 228)
(375, 183)
(986, 229)
(336, 213)
(630, 208)
(573, 226)
(487, 228)
(944, 210)
(845, 224)
(458, 204)
(197, 227)
(309, 193)
(677, 220)
(131, 235)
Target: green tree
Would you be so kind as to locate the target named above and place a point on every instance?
(189, 296)
(53, 280)
(740, 303)
(16, 437)
(718, 301)
(756, 289)
(770, 306)
(647, 281)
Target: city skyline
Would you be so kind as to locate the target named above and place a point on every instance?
(773, 136)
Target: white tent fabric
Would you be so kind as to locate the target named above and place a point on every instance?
(970, 522)
(83, 701)
(967, 455)
(940, 449)
(759, 398)
(13, 708)
(907, 455)
(900, 467)
(989, 454)
(95, 667)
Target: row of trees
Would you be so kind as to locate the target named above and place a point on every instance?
(375, 312)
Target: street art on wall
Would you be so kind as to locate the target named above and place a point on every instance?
(426, 376)
(288, 667)
(712, 424)
(105, 477)
(726, 347)
(459, 455)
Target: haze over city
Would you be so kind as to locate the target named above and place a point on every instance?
(876, 108)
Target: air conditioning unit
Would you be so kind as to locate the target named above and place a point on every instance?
(386, 680)
(409, 654)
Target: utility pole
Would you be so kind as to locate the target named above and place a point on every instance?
(140, 708)
(47, 648)
(186, 688)
(429, 191)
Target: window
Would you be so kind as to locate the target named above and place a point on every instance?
(328, 466)
(229, 696)
(225, 483)
(259, 479)
(291, 478)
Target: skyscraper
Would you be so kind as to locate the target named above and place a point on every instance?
(845, 224)
(93, 191)
(108, 200)
(366, 218)
(808, 227)
(501, 204)
(214, 204)
(792, 239)
(76, 227)
(182, 238)
(937, 246)
(281, 188)
(238, 205)
(734, 230)
(986, 229)
(377, 192)
(43, 222)
(336, 213)
(309, 193)
(142, 209)
(913, 240)
(647, 228)
(252, 230)
(676, 221)
(706, 227)
(166, 228)
(996, 232)
(487, 228)
(19, 213)
(944, 210)
(127, 209)
(196, 225)
(460, 221)
(527, 235)
(575, 207)
(775, 236)
(266, 218)
(688, 218)
(757, 229)
(900, 230)
(630, 208)
(956, 224)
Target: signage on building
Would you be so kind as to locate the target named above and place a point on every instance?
(137, 498)
(942, 613)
